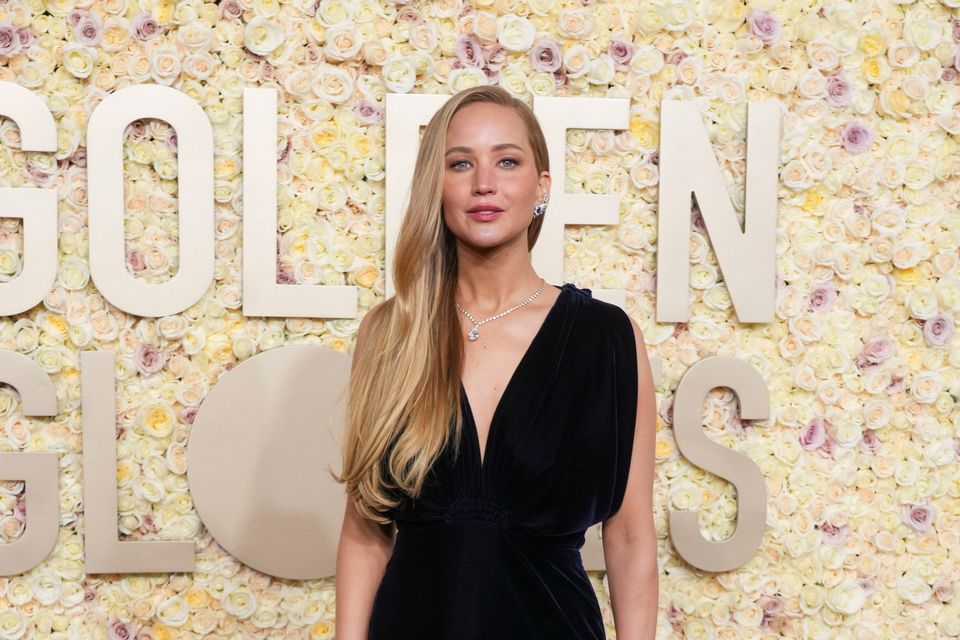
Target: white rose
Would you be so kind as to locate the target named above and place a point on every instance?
(333, 84)
(846, 598)
(575, 23)
(173, 611)
(907, 472)
(78, 59)
(948, 620)
(600, 71)
(914, 590)
(239, 601)
(922, 303)
(261, 36)
(515, 33)
(926, 387)
(923, 33)
(648, 59)
(342, 41)
(399, 74)
(575, 60)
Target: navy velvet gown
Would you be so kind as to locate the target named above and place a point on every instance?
(492, 550)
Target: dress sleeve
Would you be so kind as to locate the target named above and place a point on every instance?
(624, 360)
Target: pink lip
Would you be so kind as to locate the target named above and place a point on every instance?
(485, 216)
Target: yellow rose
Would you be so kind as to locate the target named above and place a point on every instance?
(157, 420)
(872, 43)
(163, 11)
(874, 70)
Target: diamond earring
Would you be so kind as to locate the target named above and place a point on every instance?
(541, 206)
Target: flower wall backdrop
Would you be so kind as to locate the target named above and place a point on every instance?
(862, 450)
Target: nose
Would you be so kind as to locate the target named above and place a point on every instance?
(483, 179)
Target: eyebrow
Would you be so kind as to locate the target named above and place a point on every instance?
(496, 147)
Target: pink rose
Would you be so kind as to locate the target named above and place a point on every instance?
(144, 27)
(495, 54)
(620, 51)
(765, 26)
(839, 91)
(677, 56)
(148, 359)
(856, 136)
(821, 298)
(136, 130)
(833, 535)
(469, 52)
(919, 517)
(88, 29)
(148, 525)
(943, 589)
(367, 112)
(9, 40)
(230, 9)
(938, 329)
(875, 351)
(119, 630)
(135, 261)
(27, 37)
(545, 55)
(869, 442)
(814, 434)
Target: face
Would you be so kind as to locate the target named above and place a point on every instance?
(489, 164)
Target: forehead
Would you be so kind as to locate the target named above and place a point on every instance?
(484, 124)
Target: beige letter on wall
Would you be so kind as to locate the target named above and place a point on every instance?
(258, 455)
(103, 550)
(36, 207)
(699, 449)
(262, 295)
(37, 470)
(556, 115)
(195, 182)
(746, 257)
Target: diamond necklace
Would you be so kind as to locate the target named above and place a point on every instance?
(475, 332)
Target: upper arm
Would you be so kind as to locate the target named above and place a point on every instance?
(634, 518)
(360, 529)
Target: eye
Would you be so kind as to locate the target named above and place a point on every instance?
(456, 164)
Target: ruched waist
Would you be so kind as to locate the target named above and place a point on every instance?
(487, 524)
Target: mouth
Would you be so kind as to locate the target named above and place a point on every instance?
(485, 214)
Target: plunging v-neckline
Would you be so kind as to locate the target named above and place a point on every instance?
(483, 454)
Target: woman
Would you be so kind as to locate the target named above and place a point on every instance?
(492, 418)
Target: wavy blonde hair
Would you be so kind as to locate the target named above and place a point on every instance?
(404, 388)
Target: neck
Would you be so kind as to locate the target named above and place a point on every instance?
(491, 289)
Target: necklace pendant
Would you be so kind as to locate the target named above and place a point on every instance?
(474, 334)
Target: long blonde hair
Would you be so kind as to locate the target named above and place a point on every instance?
(404, 387)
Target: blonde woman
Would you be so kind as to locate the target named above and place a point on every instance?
(492, 417)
